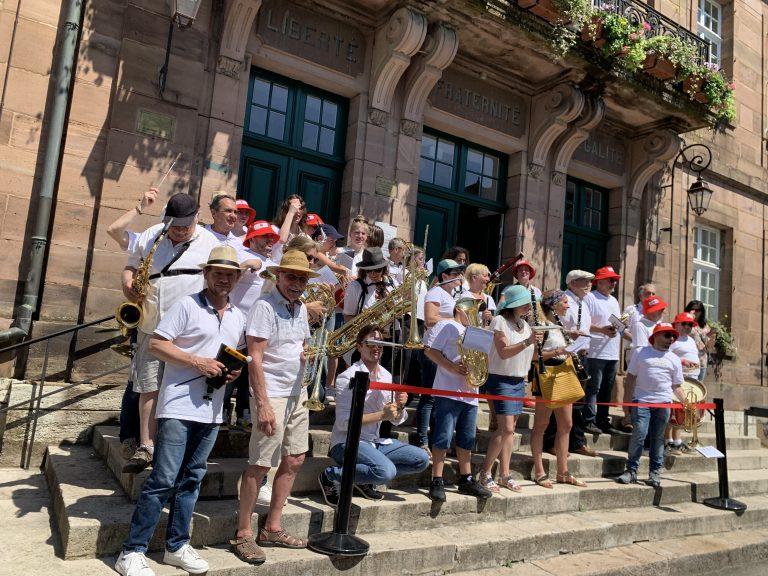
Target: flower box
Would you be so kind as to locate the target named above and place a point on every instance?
(695, 89)
(659, 67)
(545, 9)
(592, 32)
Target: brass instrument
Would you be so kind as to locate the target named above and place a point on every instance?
(494, 281)
(312, 375)
(130, 314)
(690, 416)
(414, 338)
(475, 361)
(383, 313)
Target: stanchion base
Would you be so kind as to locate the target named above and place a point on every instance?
(334, 544)
(725, 504)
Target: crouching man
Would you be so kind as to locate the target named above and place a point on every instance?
(187, 339)
(379, 460)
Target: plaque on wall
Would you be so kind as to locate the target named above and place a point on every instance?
(480, 102)
(312, 36)
(603, 151)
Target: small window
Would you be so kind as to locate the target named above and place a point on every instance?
(585, 205)
(482, 175)
(320, 124)
(706, 268)
(438, 157)
(710, 24)
(269, 107)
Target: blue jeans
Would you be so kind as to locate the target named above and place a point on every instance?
(453, 415)
(129, 414)
(602, 378)
(179, 464)
(381, 463)
(647, 421)
(426, 402)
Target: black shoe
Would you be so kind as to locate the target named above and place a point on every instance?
(472, 487)
(437, 490)
(592, 428)
(369, 492)
(329, 489)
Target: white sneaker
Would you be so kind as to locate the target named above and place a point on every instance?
(265, 495)
(133, 564)
(187, 559)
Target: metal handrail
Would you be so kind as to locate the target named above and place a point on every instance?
(55, 334)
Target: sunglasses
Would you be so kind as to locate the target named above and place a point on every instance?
(311, 258)
(296, 278)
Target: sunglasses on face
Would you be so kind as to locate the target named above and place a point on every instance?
(311, 258)
(296, 278)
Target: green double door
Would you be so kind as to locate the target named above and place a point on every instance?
(267, 178)
(584, 233)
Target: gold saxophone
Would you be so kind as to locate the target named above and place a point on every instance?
(475, 361)
(383, 313)
(130, 314)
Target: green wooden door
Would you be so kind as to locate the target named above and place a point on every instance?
(263, 180)
(439, 215)
(584, 236)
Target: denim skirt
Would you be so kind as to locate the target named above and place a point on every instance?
(506, 386)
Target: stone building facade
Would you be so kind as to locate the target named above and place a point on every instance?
(447, 114)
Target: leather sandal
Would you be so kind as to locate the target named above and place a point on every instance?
(508, 483)
(569, 478)
(543, 481)
(280, 538)
(246, 549)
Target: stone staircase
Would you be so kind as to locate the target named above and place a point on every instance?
(561, 531)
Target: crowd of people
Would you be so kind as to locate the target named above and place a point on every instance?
(241, 282)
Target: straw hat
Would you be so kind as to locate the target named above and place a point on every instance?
(222, 257)
(294, 261)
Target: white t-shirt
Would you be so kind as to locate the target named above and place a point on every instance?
(685, 348)
(519, 364)
(192, 324)
(601, 307)
(443, 337)
(375, 400)
(248, 288)
(571, 317)
(354, 291)
(285, 328)
(165, 291)
(656, 372)
(397, 272)
(641, 330)
(443, 298)
(554, 339)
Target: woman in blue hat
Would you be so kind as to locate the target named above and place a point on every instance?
(508, 365)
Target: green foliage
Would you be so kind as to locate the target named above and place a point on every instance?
(575, 13)
(625, 41)
(724, 344)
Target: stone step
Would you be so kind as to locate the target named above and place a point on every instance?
(741, 552)
(455, 548)
(93, 514)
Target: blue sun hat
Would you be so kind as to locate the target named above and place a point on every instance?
(514, 297)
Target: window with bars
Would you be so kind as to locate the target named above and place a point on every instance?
(706, 268)
(710, 22)
(461, 167)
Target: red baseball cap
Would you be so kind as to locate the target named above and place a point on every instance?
(243, 205)
(524, 262)
(684, 318)
(653, 304)
(260, 228)
(663, 327)
(314, 220)
(605, 273)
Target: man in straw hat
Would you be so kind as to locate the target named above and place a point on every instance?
(655, 374)
(187, 339)
(276, 332)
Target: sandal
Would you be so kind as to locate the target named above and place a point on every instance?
(544, 481)
(280, 538)
(508, 483)
(246, 549)
(569, 478)
(487, 482)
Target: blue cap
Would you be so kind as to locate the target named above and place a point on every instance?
(326, 231)
(514, 297)
(449, 265)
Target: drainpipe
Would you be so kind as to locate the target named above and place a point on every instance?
(65, 66)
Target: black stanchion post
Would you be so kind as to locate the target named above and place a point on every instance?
(340, 542)
(723, 501)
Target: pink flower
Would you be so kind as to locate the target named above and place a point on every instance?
(646, 26)
(732, 85)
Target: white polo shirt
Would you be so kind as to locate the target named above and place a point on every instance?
(193, 325)
(601, 307)
(571, 317)
(167, 290)
(443, 337)
(285, 328)
(375, 400)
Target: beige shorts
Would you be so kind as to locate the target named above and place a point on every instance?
(147, 371)
(291, 436)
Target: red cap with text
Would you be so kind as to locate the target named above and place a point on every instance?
(663, 327)
(314, 220)
(260, 228)
(653, 304)
(684, 318)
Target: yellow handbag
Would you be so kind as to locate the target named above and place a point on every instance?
(560, 384)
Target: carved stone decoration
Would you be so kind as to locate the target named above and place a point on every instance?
(558, 178)
(377, 117)
(228, 66)
(394, 45)
(410, 127)
(535, 170)
(552, 112)
(439, 50)
(591, 115)
(649, 155)
(238, 21)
